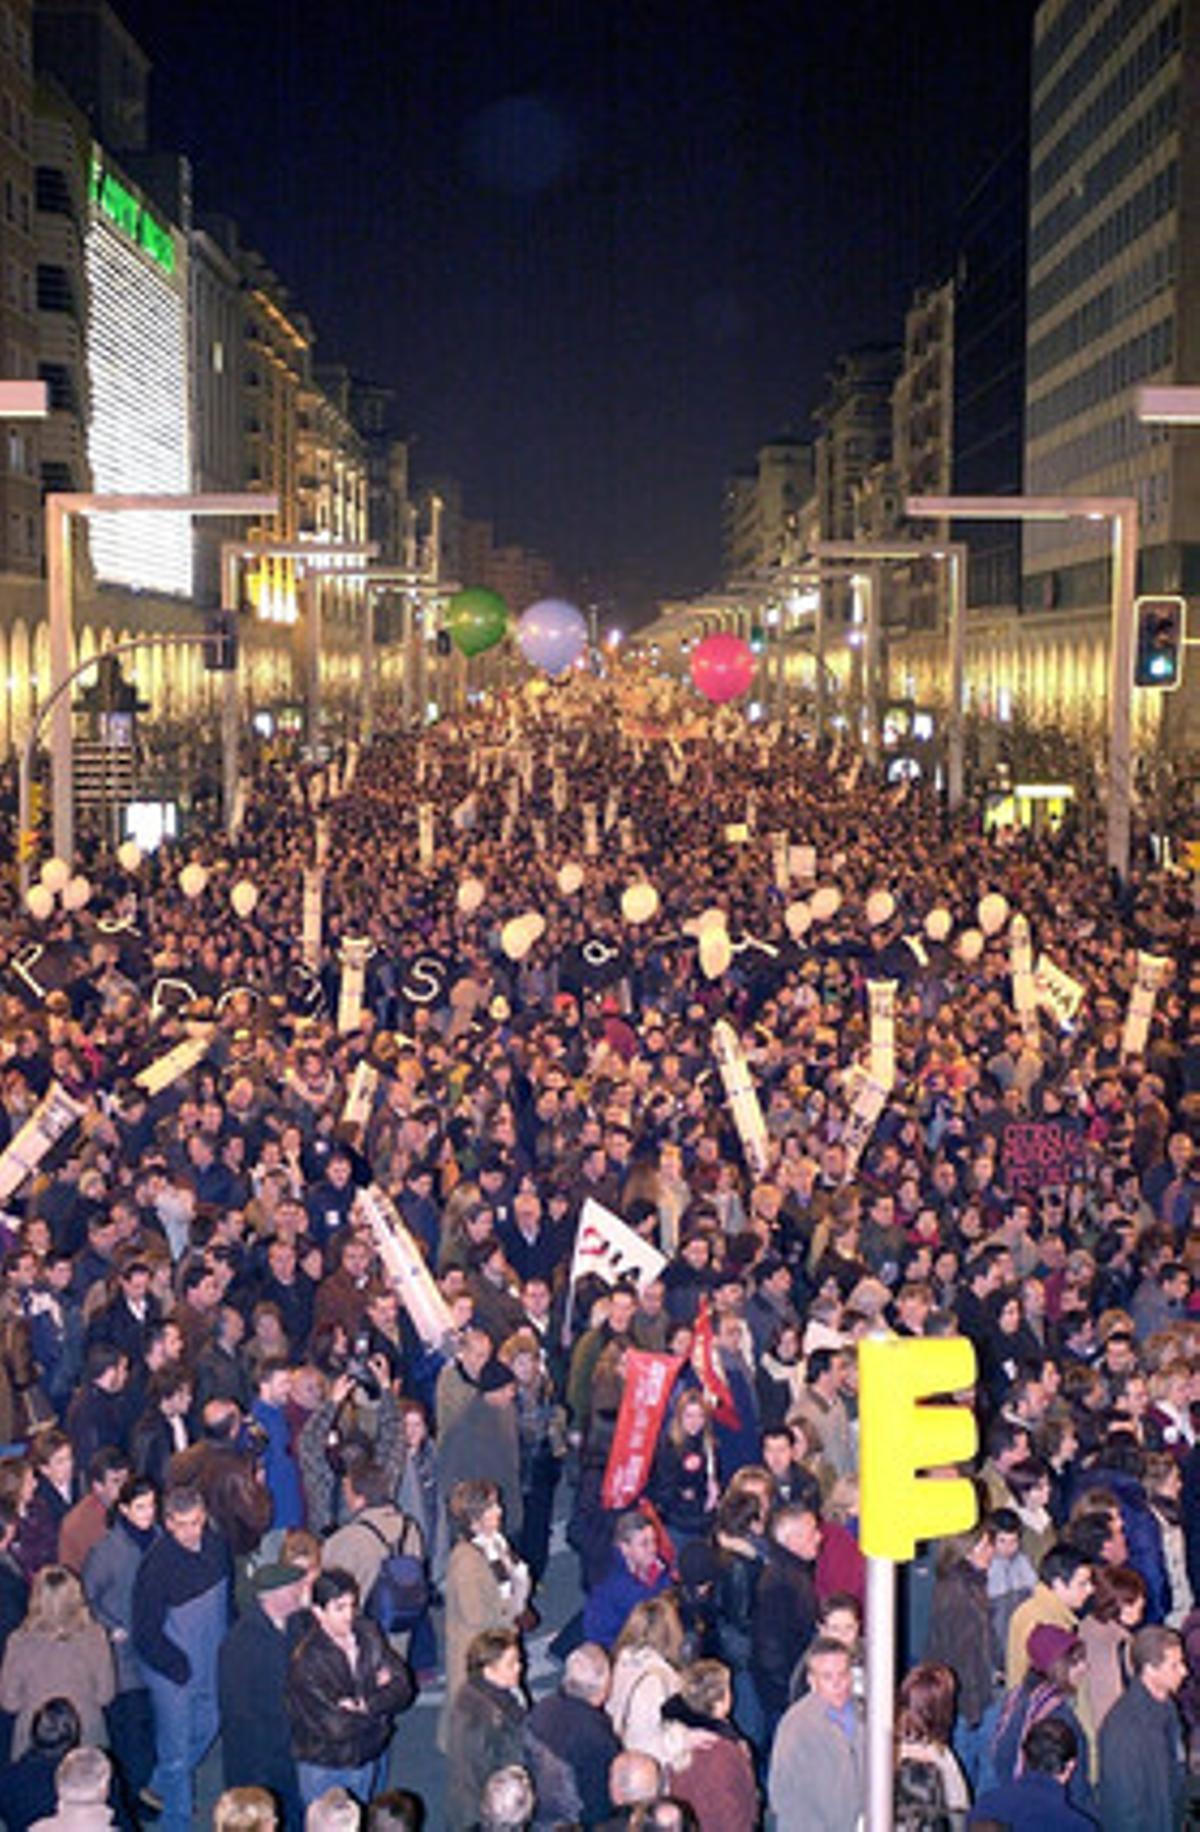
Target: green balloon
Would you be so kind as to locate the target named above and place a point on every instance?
(477, 620)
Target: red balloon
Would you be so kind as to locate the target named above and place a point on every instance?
(722, 667)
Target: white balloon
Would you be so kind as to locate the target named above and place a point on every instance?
(471, 893)
(825, 902)
(129, 855)
(798, 918)
(534, 924)
(570, 878)
(970, 945)
(55, 873)
(244, 897)
(639, 902)
(716, 952)
(938, 924)
(515, 939)
(881, 907)
(76, 893)
(712, 918)
(992, 913)
(39, 901)
(192, 879)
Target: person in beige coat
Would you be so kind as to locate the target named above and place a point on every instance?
(59, 1651)
(487, 1585)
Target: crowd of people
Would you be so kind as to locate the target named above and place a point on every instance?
(246, 1495)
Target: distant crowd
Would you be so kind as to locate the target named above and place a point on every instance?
(246, 1495)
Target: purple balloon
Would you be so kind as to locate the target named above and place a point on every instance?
(552, 635)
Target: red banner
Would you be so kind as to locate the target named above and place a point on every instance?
(704, 1357)
(648, 1383)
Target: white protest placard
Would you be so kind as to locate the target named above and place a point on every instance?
(1152, 970)
(802, 861)
(237, 817)
(53, 1117)
(312, 918)
(360, 1095)
(321, 839)
(352, 956)
(741, 1094)
(178, 1061)
(1057, 991)
(612, 809)
(558, 792)
(881, 1001)
(425, 835)
(591, 831)
(405, 1266)
(1024, 985)
(625, 831)
(608, 1247)
(867, 1102)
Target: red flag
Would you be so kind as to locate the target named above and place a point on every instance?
(704, 1356)
(648, 1383)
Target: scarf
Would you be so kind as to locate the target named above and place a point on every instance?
(496, 1550)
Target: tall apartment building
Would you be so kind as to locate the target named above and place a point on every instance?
(63, 146)
(1113, 301)
(218, 448)
(762, 507)
(989, 369)
(20, 495)
(854, 424)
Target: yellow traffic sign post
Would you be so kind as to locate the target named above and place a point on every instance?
(910, 1437)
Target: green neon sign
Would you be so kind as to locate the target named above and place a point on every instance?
(131, 217)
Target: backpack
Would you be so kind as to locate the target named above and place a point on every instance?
(399, 1596)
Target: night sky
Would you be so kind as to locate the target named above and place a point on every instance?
(602, 250)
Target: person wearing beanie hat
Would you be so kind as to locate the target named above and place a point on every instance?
(252, 1668)
(1057, 1666)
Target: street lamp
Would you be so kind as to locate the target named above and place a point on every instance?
(1121, 513)
(954, 554)
(60, 586)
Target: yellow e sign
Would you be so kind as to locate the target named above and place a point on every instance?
(900, 1437)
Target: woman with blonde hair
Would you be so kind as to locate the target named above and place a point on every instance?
(683, 1484)
(59, 1651)
(645, 1674)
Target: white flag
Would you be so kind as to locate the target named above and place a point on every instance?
(608, 1246)
(867, 1102)
(353, 956)
(405, 1266)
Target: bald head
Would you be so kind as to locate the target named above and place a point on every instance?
(632, 1778)
(587, 1674)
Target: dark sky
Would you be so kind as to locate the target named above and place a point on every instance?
(602, 250)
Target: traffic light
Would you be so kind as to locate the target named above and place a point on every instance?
(758, 641)
(1159, 639)
(441, 642)
(221, 648)
(901, 1436)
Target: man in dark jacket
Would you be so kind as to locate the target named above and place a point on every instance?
(180, 1613)
(98, 1415)
(570, 1742)
(252, 1670)
(785, 1608)
(1142, 1777)
(1036, 1801)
